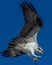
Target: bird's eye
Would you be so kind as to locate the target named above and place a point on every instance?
(39, 48)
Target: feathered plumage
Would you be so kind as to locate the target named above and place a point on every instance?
(26, 42)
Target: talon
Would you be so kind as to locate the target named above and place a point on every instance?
(35, 59)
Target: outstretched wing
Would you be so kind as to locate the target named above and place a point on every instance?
(32, 20)
(32, 25)
(13, 49)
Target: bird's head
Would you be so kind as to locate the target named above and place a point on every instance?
(40, 50)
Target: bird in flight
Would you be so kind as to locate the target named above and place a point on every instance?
(26, 42)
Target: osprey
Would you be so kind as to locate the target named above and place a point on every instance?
(26, 42)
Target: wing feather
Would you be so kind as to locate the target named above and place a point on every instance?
(32, 20)
(33, 23)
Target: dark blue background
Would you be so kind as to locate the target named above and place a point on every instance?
(11, 23)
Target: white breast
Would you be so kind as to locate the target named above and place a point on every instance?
(30, 45)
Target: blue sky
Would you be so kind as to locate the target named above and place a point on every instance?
(11, 23)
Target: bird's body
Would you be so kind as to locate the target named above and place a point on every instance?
(26, 42)
(28, 45)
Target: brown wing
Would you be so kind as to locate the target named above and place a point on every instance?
(11, 52)
(32, 20)
(32, 24)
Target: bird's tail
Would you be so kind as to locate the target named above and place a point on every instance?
(12, 52)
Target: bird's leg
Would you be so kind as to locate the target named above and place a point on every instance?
(33, 54)
(35, 57)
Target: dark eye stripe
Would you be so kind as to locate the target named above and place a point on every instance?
(39, 48)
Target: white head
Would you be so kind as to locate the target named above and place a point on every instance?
(40, 50)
